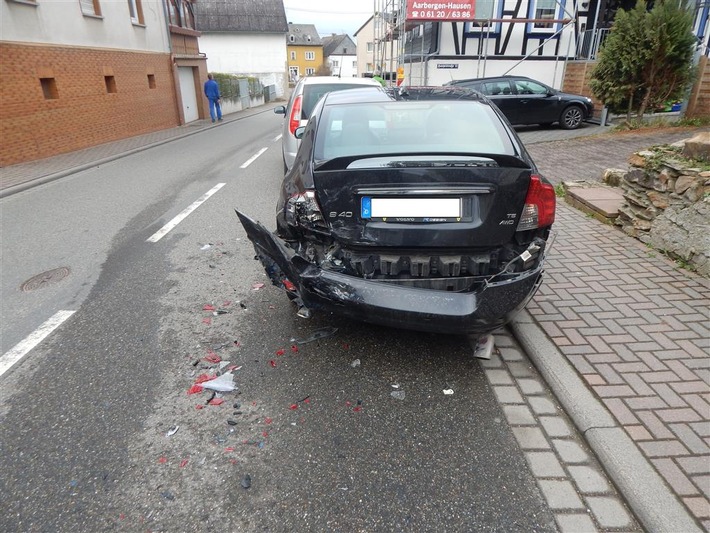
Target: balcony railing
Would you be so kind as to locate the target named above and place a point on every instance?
(590, 42)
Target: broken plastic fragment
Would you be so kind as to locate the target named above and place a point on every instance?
(203, 377)
(272, 363)
(195, 389)
(304, 312)
(398, 394)
(199, 406)
(222, 364)
(293, 406)
(172, 431)
(289, 286)
(208, 307)
(167, 495)
(162, 460)
(216, 401)
(246, 482)
(223, 383)
(268, 420)
(206, 247)
(355, 363)
(229, 449)
(448, 392)
(257, 286)
(358, 409)
(232, 422)
(484, 347)
(207, 320)
(321, 333)
(280, 352)
(183, 462)
(294, 348)
(213, 358)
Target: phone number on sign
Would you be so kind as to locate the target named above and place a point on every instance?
(442, 14)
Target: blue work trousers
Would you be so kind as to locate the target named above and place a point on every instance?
(214, 106)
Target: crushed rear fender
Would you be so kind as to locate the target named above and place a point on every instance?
(388, 304)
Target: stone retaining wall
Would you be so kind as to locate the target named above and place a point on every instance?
(667, 201)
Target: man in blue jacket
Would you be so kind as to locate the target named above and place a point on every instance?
(212, 94)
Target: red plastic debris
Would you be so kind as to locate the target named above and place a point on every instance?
(357, 409)
(233, 367)
(257, 286)
(229, 449)
(208, 307)
(268, 420)
(307, 400)
(280, 352)
(199, 406)
(294, 348)
(265, 434)
(289, 286)
(213, 358)
(348, 403)
(272, 363)
(122, 516)
(207, 320)
(346, 346)
(195, 389)
(293, 406)
(204, 377)
(226, 303)
(183, 462)
(216, 401)
(162, 460)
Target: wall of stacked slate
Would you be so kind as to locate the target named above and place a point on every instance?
(667, 200)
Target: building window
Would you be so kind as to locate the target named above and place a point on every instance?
(293, 73)
(151, 81)
(310, 56)
(334, 62)
(368, 67)
(354, 64)
(49, 88)
(370, 47)
(136, 10)
(293, 56)
(310, 71)
(291, 38)
(90, 7)
(544, 9)
(110, 84)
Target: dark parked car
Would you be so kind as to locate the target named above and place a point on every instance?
(416, 208)
(526, 101)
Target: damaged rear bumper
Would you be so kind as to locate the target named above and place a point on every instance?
(389, 304)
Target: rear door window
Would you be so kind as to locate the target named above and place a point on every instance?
(496, 88)
(313, 93)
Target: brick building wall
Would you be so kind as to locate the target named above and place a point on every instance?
(56, 99)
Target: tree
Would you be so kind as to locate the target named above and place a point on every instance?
(646, 59)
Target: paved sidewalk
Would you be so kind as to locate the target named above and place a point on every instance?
(620, 333)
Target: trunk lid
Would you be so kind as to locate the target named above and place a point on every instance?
(420, 203)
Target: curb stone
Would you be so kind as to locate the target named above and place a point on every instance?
(645, 491)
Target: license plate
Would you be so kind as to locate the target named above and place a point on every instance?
(423, 209)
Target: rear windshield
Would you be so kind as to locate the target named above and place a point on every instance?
(458, 127)
(313, 93)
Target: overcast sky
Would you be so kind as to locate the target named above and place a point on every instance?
(330, 16)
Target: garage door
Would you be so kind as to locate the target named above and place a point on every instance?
(189, 97)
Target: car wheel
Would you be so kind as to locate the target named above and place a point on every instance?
(571, 118)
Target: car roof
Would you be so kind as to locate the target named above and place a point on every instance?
(490, 78)
(382, 94)
(316, 80)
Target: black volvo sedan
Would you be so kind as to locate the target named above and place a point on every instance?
(412, 207)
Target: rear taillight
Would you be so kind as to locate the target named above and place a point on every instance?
(294, 120)
(303, 210)
(539, 210)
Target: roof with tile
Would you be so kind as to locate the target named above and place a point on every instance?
(253, 16)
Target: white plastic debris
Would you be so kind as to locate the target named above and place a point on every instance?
(484, 347)
(223, 383)
(448, 392)
(222, 364)
(355, 363)
(172, 431)
(398, 394)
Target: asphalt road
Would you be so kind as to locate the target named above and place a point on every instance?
(85, 415)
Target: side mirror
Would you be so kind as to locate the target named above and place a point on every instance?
(280, 110)
(299, 132)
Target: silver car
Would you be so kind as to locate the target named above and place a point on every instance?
(303, 99)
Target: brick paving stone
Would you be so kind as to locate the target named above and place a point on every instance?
(498, 377)
(660, 377)
(699, 464)
(663, 448)
(609, 512)
(670, 397)
(678, 415)
(657, 428)
(646, 402)
(676, 478)
(699, 506)
(701, 428)
(588, 480)
(594, 379)
(638, 384)
(690, 386)
(544, 465)
(518, 415)
(520, 369)
(542, 406)
(511, 354)
(530, 386)
(638, 433)
(555, 426)
(530, 438)
(620, 411)
(703, 483)
(615, 391)
(691, 440)
(570, 452)
(609, 374)
(701, 406)
(508, 395)
(560, 494)
(575, 523)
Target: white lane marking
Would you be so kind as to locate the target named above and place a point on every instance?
(253, 158)
(278, 137)
(21, 349)
(183, 215)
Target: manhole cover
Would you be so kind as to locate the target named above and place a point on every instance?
(44, 279)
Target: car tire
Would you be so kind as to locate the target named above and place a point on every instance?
(571, 118)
